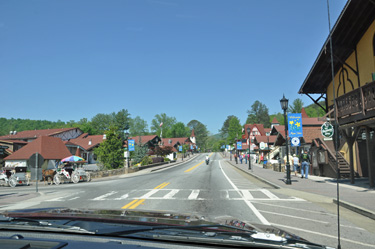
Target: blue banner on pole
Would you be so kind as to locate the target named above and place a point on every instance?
(228, 147)
(295, 125)
(131, 145)
(191, 146)
(180, 148)
(239, 145)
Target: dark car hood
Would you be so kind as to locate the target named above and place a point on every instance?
(148, 218)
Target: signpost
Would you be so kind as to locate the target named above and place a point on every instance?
(327, 130)
(36, 161)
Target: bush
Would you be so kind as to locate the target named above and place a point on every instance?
(166, 159)
(157, 160)
(146, 161)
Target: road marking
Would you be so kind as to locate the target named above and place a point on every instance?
(269, 194)
(73, 198)
(122, 197)
(194, 194)
(100, 198)
(248, 203)
(188, 170)
(246, 194)
(135, 203)
(171, 194)
(295, 217)
(322, 234)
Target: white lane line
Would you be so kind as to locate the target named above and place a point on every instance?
(171, 194)
(147, 195)
(255, 200)
(269, 194)
(295, 217)
(248, 203)
(56, 199)
(323, 234)
(102, 197)
(194, 194)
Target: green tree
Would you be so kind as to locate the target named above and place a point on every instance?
(314, 110)
(168, 122)
(110, 152)
(296, 106)
(121, 119)
(140, 151)
(86, 126)
(138, 127)
(179, 130)
(258, 114)
(234, 130)
(201, 133)
(224, 129)
(102, 122)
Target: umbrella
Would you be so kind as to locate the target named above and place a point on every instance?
(73, 159)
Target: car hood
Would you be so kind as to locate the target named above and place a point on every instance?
(145, 218)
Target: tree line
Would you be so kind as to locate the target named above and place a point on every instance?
(120, 120)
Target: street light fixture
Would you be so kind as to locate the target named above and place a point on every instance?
(248, 134)
(284, 106)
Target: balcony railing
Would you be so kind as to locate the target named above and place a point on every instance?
(356, 105)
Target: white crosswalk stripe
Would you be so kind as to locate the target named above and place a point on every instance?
(258, 194)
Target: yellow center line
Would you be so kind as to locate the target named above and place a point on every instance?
(188, 170)
(136, 202)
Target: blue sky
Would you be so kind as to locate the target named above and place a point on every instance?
(190, 59)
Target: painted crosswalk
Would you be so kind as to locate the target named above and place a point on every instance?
(258, 194)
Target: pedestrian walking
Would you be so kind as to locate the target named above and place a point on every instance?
(245, 156)
(305, 164)
(241, 159)
(295, 164)
(235, 158)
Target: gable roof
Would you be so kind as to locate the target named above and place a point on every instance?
(175, 140)
(35, 133)
(51, 148)
(275, 121)
(87, 142)
(351, 25)
(260, 128)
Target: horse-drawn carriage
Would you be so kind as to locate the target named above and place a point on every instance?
(71, 173)
(13, 176)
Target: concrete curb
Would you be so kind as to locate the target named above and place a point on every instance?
(355, 208)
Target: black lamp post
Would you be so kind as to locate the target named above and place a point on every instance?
(126, 139)
(284, 106)
(248, 134)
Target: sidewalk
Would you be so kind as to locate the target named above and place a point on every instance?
(358, 197)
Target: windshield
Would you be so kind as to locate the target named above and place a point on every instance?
(241, 113)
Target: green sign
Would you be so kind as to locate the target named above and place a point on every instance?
(327, 129)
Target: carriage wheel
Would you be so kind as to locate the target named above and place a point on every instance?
(75, 178)
(12, 181)
(88, 177)
(56, 179)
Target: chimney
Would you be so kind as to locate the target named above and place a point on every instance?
(11, 133)
(90, 142)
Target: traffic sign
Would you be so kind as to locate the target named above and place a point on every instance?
(295, 141)
(36, 160)
(327, 129)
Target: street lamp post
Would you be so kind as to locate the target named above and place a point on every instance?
(127, 139)
(248, 135)
(284, 106)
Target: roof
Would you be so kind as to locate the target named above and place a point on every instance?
(303, 113)
(310, 133)
(265, 139)
(353, 22)
(311, 122)
(35, 133)
(260, 128)
(175, 140)
(51, 148)
(275, 121)
(12, 142)
(144, 139)
(87, 142)
(192, 133)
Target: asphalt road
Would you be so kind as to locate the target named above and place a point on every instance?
(216, 191)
